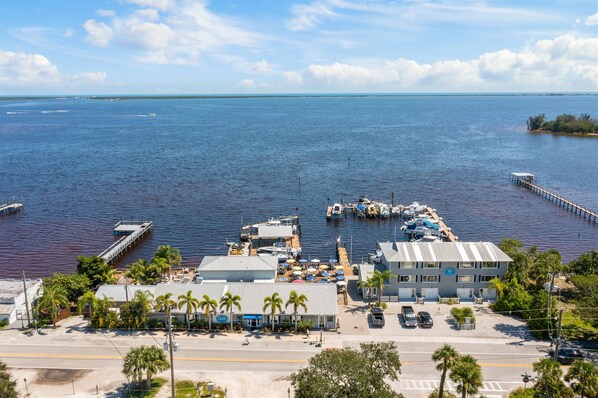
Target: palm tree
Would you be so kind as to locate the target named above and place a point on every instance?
(135, 313)
(208, 305)
(160, 266)
(378, 280)
(51, 300)
(228, 301)
(190, 303)
(447, 356)
(87, 300)
(171, 255)
(144, 360)
(143, 273)
(548, 380)
(102, 317)
(367, 284)
(584, 378)
(273, 302)
(498, 285)
(165, 302)
(296, 301)
(468, 375)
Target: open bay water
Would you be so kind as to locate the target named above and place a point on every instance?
(202, 167)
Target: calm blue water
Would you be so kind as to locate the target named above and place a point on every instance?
(202, 167)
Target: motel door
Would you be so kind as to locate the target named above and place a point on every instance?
(253, 321)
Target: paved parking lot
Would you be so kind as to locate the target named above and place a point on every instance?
(354, 320)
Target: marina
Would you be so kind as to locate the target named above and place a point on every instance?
(528, 181)
(11, 207)
(276, 237)
(131, 233)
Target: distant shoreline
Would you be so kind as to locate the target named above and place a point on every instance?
(116, 97)
(559, 133)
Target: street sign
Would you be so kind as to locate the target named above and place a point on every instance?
(526, 379)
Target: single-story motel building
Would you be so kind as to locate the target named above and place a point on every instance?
(429, 271)
(321, 303)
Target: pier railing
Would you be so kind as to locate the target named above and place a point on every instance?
(123, 244)
(575, 208)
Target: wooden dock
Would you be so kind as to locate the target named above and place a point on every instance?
(9, 207)
(527, 180)
(343, 259)
(434, 216)
(131, 232)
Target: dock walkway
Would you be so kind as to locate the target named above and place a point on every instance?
(527, 180)
(131, 232)
(9, 207)
(449, 234)
(343, 259)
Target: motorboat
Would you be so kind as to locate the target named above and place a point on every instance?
(337, 210)
(384, 211)
(420, 227)
(360, 211)
(372, 210)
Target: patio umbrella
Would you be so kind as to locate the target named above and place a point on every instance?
(297, 268)
(323, 266)
(332, 261)
(290, 261)
(325, 273)
(340, 272)
(310, 278)
(285, 265)
(316, 261)
(298, 281)
(340, 278)
(311, 269)
(303, 260)
(283, 279)
(297, 273)
(341, 283)
(323, 280)
(339, 267)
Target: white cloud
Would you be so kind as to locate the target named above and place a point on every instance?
(170, 32)
(35, 71)
(247, 84)
(261, 67)
(98, 33)
(591, 20)
(306, 16)
(68, 33)
(105, 13)
(564, 63)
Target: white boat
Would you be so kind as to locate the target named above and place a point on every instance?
(337, 210)
(384, 211)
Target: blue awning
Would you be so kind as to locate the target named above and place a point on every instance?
(250, 316)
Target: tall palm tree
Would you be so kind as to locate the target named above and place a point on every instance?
(228, 301)
(190, 303)
(135, 313)
(548, 380)
(165, 302)
(87, 300)
(498, 285)
(144, 360)
(51, 300)
(447, 356)
(378, 280)
(584, 378)
(102, 316)
(296, 301)
(468, 375)
(367, 284)
(273, 302)
(208, 305)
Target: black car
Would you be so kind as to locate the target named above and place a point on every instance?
(567, 355)
(424, 319)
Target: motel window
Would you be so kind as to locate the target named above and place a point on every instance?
(431, 265)
(430, 278)
(408, 264)
(489, 264)
(466, 265)
(465, 278)
(487, 278)
(407, 278)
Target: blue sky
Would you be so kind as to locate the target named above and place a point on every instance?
(278, 46)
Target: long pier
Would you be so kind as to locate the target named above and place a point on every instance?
(447, 231)
(528, 181)
(10, 207)
(131, 232)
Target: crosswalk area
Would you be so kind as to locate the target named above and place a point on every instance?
(500, 388)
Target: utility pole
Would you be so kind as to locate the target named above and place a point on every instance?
(549, 305)
(26, 300)
(171, 355)
(558, 337)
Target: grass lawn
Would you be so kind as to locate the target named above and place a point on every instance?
(157, 383)
(575, 327)
(189, 389)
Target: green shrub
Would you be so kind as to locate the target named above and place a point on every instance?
(461, 313)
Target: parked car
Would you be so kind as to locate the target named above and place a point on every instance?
(409, 316)
(567, 355)
(425, 319)
(378, 317)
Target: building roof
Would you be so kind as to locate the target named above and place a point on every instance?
(274, 231)
(321, 298)
(119, 293)
(238, 263)
(443, 251)
(12, 288)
